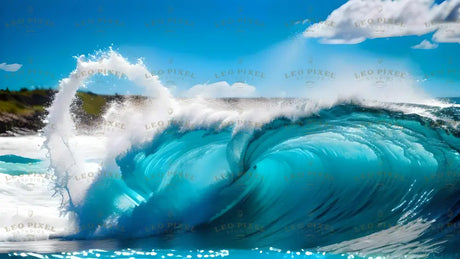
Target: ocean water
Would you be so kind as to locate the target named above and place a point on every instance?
(238, 178)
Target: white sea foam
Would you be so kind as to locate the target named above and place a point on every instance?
(30, 209)
(65, 160)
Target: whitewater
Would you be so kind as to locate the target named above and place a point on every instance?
(345, 172)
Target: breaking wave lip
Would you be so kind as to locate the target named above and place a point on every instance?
(262, 172)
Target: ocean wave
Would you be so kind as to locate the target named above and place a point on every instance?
(349, 174)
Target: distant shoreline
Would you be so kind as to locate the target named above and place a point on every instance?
(22, 112)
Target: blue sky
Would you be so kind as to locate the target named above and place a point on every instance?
(202, 42)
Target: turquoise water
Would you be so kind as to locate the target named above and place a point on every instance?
(344, 182)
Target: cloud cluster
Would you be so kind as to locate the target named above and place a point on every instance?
(221, 89)
(10, 67)
(358, 20)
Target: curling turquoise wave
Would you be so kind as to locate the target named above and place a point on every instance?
(338, 176)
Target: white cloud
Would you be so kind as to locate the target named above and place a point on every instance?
(10, 67)
(221, 89)
(358, 20)
(425, 44)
